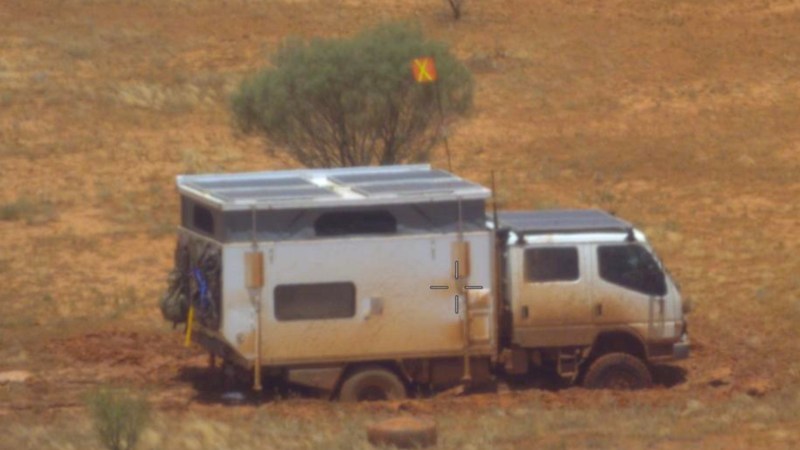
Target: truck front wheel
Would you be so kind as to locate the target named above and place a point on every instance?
(372, 383)
(619, 371)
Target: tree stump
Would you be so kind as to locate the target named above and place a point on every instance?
(403, 432)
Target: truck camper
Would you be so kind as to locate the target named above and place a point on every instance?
(366, 282)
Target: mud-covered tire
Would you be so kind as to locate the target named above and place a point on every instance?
(372, 383)
(619, 371)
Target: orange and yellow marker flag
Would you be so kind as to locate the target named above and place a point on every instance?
(424, 70)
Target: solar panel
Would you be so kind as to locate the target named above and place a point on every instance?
(276, 194)
(335, 186)
(377, 177)
(561, 221)
(235, 183)
(415, 187)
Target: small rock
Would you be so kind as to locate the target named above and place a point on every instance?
(720, 377)
(15, 376)
(757, 387)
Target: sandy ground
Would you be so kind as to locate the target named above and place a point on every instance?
(680, 116)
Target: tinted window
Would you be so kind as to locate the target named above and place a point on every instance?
(315, 301)
(551, 264)
(355, 222)
(633, 267)
(202, 219)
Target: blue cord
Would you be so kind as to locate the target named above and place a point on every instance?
(203, 287)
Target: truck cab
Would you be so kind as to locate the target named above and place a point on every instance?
(583, 284)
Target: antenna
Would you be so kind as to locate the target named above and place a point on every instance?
(494, 203)
(253, 227)
(460, 222)
(254, 280)
(442, 128)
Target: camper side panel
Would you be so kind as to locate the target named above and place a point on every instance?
(358, 298)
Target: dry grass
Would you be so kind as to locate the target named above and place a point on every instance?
(681, 117)
(609, 422)
(31, 211)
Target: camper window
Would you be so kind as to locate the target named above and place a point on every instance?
(551, 264)
(355, 222)
(202, 220)
(315, 301)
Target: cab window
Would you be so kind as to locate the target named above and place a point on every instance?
(633, 267)
(548, 264)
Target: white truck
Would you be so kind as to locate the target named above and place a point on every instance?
(366, 282)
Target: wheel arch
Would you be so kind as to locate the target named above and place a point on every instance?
(618, 340)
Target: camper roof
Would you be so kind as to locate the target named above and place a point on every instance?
(307, 188)
(561, 221)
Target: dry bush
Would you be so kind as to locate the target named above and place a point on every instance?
(119, 417)
(353, 101)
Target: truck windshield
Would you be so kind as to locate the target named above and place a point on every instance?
(633, 267)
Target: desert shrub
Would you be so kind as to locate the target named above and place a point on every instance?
(32, 211)
(119, 417)
(353, 101)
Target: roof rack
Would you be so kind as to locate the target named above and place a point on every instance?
(562, 221)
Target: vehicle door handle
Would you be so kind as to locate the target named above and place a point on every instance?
(598, 309)
(524, 312)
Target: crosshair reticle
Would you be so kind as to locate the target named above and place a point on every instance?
(445, 287)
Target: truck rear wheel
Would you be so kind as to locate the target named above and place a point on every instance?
(619, 371)
(370, 384)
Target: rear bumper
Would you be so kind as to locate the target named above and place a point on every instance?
(680, 349)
